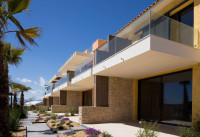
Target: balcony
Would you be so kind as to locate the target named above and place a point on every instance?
(85, 65)
(84, 79)
(150, 23)
(151, 44)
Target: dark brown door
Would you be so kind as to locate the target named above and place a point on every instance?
(150, 99)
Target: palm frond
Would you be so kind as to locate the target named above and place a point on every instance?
(12, 55)
(16, 6)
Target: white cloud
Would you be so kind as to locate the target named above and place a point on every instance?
(42, 81)
(35, 82)
(25, 80)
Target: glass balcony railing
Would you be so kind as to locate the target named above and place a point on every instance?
(61, 81)
(64, 79)
(85, 65)
(149, 23)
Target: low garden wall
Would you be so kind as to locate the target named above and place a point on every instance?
(94, 115)
(120, 104)
(59, 108)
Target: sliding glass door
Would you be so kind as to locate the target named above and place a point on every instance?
(167, 98)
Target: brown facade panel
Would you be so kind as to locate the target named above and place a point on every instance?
(63, 97)
(45, 101)
(50, 101)
(101, 91)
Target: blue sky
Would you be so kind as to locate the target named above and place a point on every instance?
(68, 26)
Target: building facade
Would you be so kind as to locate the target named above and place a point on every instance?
(147, 70)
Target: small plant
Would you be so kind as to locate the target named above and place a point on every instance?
(69, 133)
(72, 111)
(106, 134)
(24, 113)
(53, 116)
(188, 132)
(60, 127)
(14, 116)
(53, 125)
(53, 121)
(148, 129)
(92, 132)
(64, 119)
(67, 113)
(71, 125)
(59, 117)
(38, 119)
(62, 122)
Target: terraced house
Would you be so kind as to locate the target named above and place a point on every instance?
(148, 70)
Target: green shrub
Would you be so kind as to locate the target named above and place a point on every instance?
(67, 113)
(24, 113)
(106, 134)
(53, 125)
(60, 127)
(14, 119)
(72, 111)
(197, 126)
(53, 121)
(62, 122)
(71, 125)
(148, 129)
(53, 116)
(188, 132)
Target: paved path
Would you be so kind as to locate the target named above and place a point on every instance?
(36, 130)
(116, 129)
(121, 130)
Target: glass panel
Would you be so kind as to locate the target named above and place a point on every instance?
(136, 31)
(85, 65)
(167, 98)
(177, 98)
(64, 79)
(168, 28)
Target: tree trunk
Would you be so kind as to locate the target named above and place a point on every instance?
(22, 101)
(4, 97)
(15, 99)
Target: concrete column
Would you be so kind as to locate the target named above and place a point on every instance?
(195, 93)
(197, 23)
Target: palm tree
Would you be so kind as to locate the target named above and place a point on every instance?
(8, 8)
(22, 89)
(14, 87)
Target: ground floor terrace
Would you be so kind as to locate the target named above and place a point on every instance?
(169, 97)
(128, 129)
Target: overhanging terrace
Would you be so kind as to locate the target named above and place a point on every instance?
(149, 56)
(73, 61)
(154, 43)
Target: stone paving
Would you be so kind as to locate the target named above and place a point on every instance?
(116, 129)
